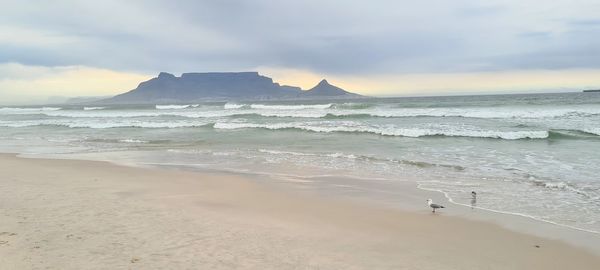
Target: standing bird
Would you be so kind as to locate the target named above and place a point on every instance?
(433, 205)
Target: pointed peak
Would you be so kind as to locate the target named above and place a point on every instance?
(323, 82)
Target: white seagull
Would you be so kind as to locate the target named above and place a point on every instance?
(433, 205)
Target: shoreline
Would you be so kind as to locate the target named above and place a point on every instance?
(148, 218)
(411, 197)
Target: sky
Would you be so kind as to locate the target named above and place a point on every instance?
(377, 47)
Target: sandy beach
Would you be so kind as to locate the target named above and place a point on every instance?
(69, 214)
(300, 135)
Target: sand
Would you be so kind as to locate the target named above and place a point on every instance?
(69, 214)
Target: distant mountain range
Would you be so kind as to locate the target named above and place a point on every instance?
(221, 86)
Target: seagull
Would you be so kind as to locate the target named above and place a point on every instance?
(433, 205)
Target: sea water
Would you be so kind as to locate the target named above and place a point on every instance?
(536, 155)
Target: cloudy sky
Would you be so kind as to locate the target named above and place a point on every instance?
(377, 47)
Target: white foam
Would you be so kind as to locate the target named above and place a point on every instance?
(229, 106)
(556, 185)
(136, 125)
(278, 152)
(477, 112)
(226, 125)
(291, 107)
(140, 113)
(323, 110)
(181, 113)
(171, 107)
(292, 113)
(388, 130)
(17, 124)
(133, 141)
(420, 186)
(595, 131)
(104, 114)
(93, 108)
(11, 110)
(102, 124)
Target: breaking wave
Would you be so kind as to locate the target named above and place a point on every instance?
(326, 111)
(172, 107)
(277, 107)
(391, 130)
(98, 119)
(93, 108)
(595, 131)
(12, 110)
(103, 125)
(133, 141)
(229, 106)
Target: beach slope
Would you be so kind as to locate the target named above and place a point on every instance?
(69, 214)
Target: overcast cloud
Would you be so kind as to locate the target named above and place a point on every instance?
(339, 37)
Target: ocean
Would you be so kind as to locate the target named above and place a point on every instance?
(534, 155)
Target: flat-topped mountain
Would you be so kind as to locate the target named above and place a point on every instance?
(221, 86)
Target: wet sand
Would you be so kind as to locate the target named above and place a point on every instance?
(70, 214)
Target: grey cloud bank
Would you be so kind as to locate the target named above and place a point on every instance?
(335, 37)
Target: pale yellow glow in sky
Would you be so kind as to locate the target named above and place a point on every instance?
(37, 84)
(34, 84)
(447, 83)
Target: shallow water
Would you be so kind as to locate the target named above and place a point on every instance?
(533, 155)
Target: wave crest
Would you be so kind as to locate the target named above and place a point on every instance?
(93, 108)
(392, 131)
(11, 110)
(102, 124)
(229, 106)
(172, 107)
(278, 107)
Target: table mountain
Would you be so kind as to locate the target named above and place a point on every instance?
(221, 86)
